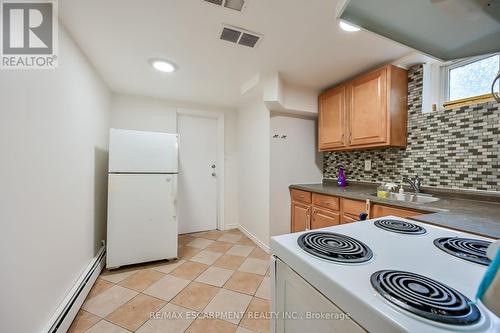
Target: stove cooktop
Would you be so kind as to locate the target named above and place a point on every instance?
(395, 282)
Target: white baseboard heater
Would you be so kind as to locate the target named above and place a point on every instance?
(65, 314)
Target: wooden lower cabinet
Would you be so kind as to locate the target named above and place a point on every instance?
(346, 218)
(322, 218)
(326, 201)
(351, 210)
(301, 214)
(301, 196)
(313, 211)
(381, 210)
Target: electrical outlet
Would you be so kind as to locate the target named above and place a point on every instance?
(368, 165)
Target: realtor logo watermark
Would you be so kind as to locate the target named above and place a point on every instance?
(29, 34)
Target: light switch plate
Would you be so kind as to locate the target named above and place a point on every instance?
(368, 165)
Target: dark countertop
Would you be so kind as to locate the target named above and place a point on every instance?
(451, 211)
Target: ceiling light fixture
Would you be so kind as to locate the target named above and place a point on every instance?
(348, 26)
(163, 65)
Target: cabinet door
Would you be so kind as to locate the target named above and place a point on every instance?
(323, 219)
(331, 119)
(368, 109)
(300, 217)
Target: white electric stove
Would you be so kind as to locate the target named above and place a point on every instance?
(381, 275)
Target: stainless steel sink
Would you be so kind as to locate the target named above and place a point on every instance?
(411, 197)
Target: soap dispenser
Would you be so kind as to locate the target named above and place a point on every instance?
(341, 181)
(401, 193)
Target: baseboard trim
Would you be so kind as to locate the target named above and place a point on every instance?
(255, 239)
(231, 226)
(66, 312)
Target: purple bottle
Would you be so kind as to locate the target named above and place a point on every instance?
(341, 178)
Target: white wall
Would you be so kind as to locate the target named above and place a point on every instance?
(280, 96)
(143, 114)
(294, 160)
(157, 115)
(253, 169)
(53, 183)
(301, 99)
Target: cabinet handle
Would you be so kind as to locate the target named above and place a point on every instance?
(368, 208)
(325, 202)
(342, 140)
(308, 219)
(350, 137)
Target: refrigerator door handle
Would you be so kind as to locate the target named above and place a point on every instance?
(174, 196)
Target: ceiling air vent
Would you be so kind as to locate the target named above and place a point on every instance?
(215, 2)
(230, 35)
(248, 40)
(239, 36)
(237, 5)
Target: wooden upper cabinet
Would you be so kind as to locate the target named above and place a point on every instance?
(373, 114)
(367, 109)
(331, 119)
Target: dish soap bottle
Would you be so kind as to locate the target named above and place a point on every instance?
(401, 193)
(341, 178)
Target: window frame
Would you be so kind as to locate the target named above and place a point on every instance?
(446, 102)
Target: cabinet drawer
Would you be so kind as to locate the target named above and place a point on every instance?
(323, 218)
(349, 219)
(353, 207)
(301, 196)
(325, 201)
(380, 211)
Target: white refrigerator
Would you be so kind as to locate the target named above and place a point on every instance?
(142, 192)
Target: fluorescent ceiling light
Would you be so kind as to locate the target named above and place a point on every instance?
(162, 65)
(348, 26)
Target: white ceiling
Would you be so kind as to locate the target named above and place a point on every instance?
(301, 40)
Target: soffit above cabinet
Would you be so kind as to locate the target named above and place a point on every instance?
(445, 29)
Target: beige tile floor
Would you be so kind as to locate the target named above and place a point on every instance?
(220, 283)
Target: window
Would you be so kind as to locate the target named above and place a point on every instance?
(471, 78)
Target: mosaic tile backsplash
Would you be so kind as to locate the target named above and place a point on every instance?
(457, 148)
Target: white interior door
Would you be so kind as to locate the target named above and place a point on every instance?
(197, 174)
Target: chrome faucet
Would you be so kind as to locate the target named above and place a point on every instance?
(414, 183)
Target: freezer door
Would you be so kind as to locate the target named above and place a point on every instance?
(142, 221)
(142, 152)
